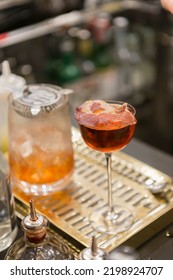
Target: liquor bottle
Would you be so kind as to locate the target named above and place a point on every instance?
(85, 49)
(134, 70)
(100, 28)
(93, 252)
(37, 243)
(68, 70)
(162, 114)
(53, 58)
(122, 56)
(142, 71)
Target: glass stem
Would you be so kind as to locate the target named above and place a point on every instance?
(109, 176)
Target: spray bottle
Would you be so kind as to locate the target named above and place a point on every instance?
(9, 84)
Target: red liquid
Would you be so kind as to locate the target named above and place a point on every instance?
(107, 140)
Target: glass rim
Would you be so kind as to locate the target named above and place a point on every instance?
(132, 109)
(24, 107)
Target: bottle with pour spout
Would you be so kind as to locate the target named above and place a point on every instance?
(9, 83)
(93, 252)
(37, 243)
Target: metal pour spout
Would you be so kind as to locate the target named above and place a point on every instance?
(94, 246)
(93, 252)
(33, 214)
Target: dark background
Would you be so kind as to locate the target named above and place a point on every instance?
(153, 101)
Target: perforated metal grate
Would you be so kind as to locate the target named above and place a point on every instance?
(69, 209)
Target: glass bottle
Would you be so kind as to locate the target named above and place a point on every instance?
(100, 28)
(68, 70)
(8, 222)
(142, 71)
(9, 82)
(85, 50)
(37, 243)
(122, 56)
(93, 252)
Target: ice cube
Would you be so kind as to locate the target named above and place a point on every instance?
(52, 141)
(26, 148)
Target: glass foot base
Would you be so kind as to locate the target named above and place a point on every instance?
(116, 221)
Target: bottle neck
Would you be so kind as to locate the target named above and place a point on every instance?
(35, 237)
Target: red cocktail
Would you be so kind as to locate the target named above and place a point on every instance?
(107, 140)
(107, 127)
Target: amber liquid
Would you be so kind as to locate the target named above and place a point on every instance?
(107, 140)
(38, 169)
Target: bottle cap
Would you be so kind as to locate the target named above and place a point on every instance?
(10, 82)
(34, 225)
(93, 253)
(100, 26)
(121, 22)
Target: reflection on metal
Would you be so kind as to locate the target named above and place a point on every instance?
(69, 210)
(144, 6)
(40, 29)
(4, 4)
(69, 19)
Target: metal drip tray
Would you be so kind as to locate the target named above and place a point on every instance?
(68, 210)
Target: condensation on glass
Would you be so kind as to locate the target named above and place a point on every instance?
(40, 147)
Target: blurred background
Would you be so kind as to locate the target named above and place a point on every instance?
(101, 49)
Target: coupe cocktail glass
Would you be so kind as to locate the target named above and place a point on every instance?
(108, 127)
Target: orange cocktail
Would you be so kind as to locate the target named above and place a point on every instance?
(36, 164)
(40, 148)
